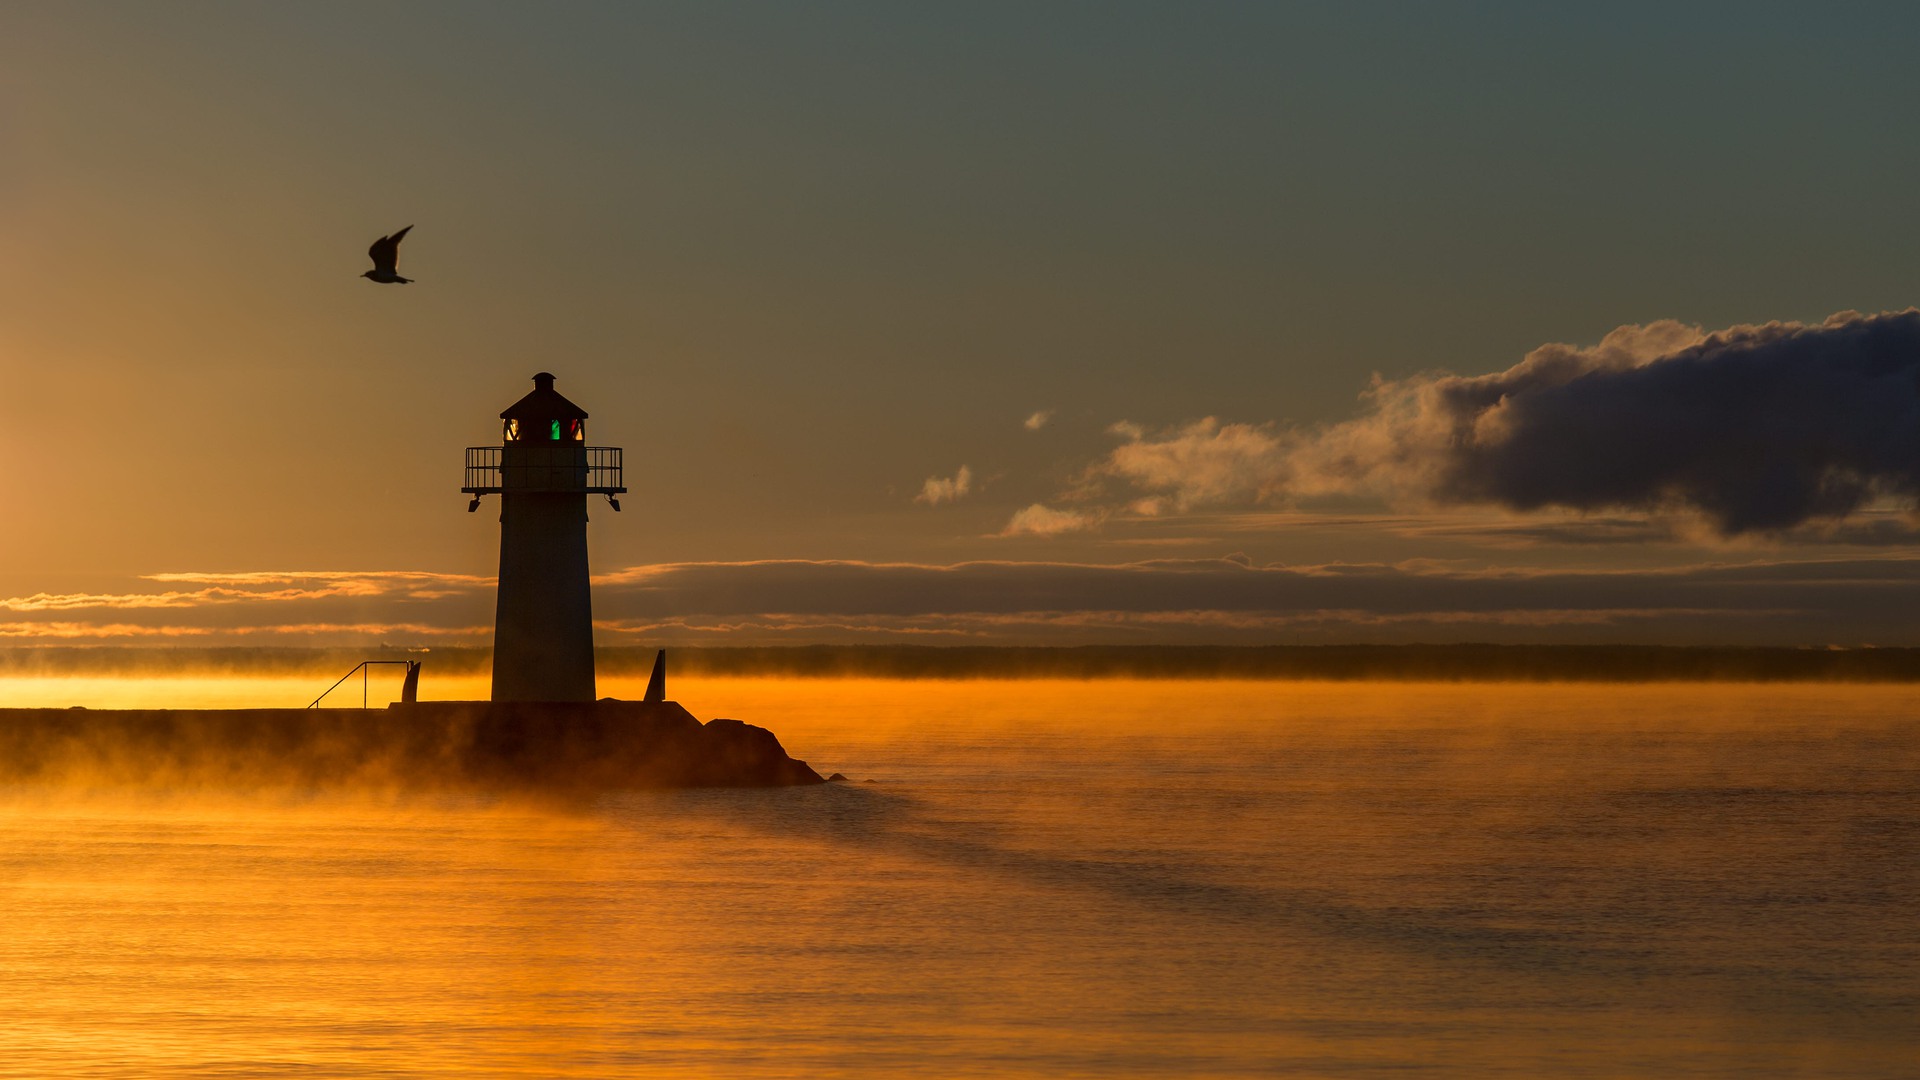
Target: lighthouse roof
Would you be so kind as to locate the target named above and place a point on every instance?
(544, 403)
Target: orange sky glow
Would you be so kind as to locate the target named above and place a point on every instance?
(1144, 351)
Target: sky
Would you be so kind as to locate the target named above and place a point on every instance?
(985, 323)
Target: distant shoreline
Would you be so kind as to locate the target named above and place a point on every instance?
(1421, 663)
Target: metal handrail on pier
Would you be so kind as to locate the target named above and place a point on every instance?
(408, 689)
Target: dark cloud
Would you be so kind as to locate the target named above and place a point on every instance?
(1756, 428)
(1750, 430)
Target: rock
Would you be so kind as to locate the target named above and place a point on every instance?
(836, 777)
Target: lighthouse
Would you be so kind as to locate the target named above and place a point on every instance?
(543, 472)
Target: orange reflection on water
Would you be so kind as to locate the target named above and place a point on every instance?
(1051, 878)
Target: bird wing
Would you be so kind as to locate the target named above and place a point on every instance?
(385, 251)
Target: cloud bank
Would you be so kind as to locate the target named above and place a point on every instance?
(1172, 601)
(1749, 430)
(1233, 601)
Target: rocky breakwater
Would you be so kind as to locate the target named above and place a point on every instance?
(606, 744)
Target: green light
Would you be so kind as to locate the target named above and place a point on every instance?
(556, 431)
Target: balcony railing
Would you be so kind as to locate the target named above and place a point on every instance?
(544, 467)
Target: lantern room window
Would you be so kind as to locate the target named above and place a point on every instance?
(553, 431)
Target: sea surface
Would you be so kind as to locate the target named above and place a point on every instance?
(1060, 879)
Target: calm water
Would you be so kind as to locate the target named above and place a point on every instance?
(1058, 879)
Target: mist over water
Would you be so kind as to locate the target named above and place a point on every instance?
(1060, 878)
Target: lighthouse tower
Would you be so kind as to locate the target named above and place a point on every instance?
(543, 472)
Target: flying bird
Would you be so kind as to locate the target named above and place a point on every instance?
(386, 256)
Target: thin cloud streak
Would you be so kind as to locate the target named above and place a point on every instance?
(70, 631)
(197, 598)
(233, 588)
(276, 577)
(113, 631)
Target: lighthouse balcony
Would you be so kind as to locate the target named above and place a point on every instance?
(562, 468)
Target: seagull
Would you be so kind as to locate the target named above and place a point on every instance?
(386, 255)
